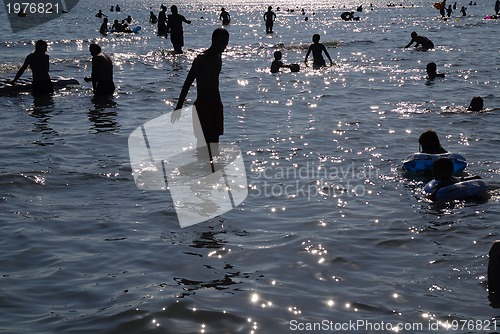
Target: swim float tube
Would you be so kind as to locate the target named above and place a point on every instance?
(459, 190)
(421, 163)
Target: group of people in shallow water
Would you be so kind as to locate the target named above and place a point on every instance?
(446, 10)
(117, 26)
(205, 71)
(442, 172)
(317, 49)
(425, 44)
(172, 24)
(38, 61)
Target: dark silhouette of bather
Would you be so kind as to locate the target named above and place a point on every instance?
(476, 104)
(349, 16)
(442, 171)
(430, 144)
(224, 17)
(205, 70)
(420, 40)
(269, 18)
(431, 69)
(277, 63)
(494, 275)
(152, 18)
(102, 72)
(38, 62)
(104, 27)
(100, 14)
(317, 50)
(174, 27)
(162, 21)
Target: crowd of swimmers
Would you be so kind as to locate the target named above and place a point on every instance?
(117, 26)
(446, 10)
(208, 101)
(173, 24)
(442, 168)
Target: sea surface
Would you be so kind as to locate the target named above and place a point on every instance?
(332, 237)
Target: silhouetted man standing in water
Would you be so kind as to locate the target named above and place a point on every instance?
(162, 21)
(174, 26)
(226, 18)
(205, 70)
(102, 72)
(269, 17)
(442, 10)
(38, 62)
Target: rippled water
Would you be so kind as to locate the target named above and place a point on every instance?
(331, 229)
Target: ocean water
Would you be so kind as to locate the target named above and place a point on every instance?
(332, 237)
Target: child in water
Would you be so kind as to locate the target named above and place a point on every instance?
(277, 63)
(442, 171)
(317, 49)
(429, 143)
(432, 71)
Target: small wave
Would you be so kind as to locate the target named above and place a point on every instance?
(24, 181)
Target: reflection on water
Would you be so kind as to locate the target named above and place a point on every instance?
(43, 109)
(385, 255)
(208, 240)
(102, 119)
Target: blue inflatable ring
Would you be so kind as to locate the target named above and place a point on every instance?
(421, 163)
(460, 190)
